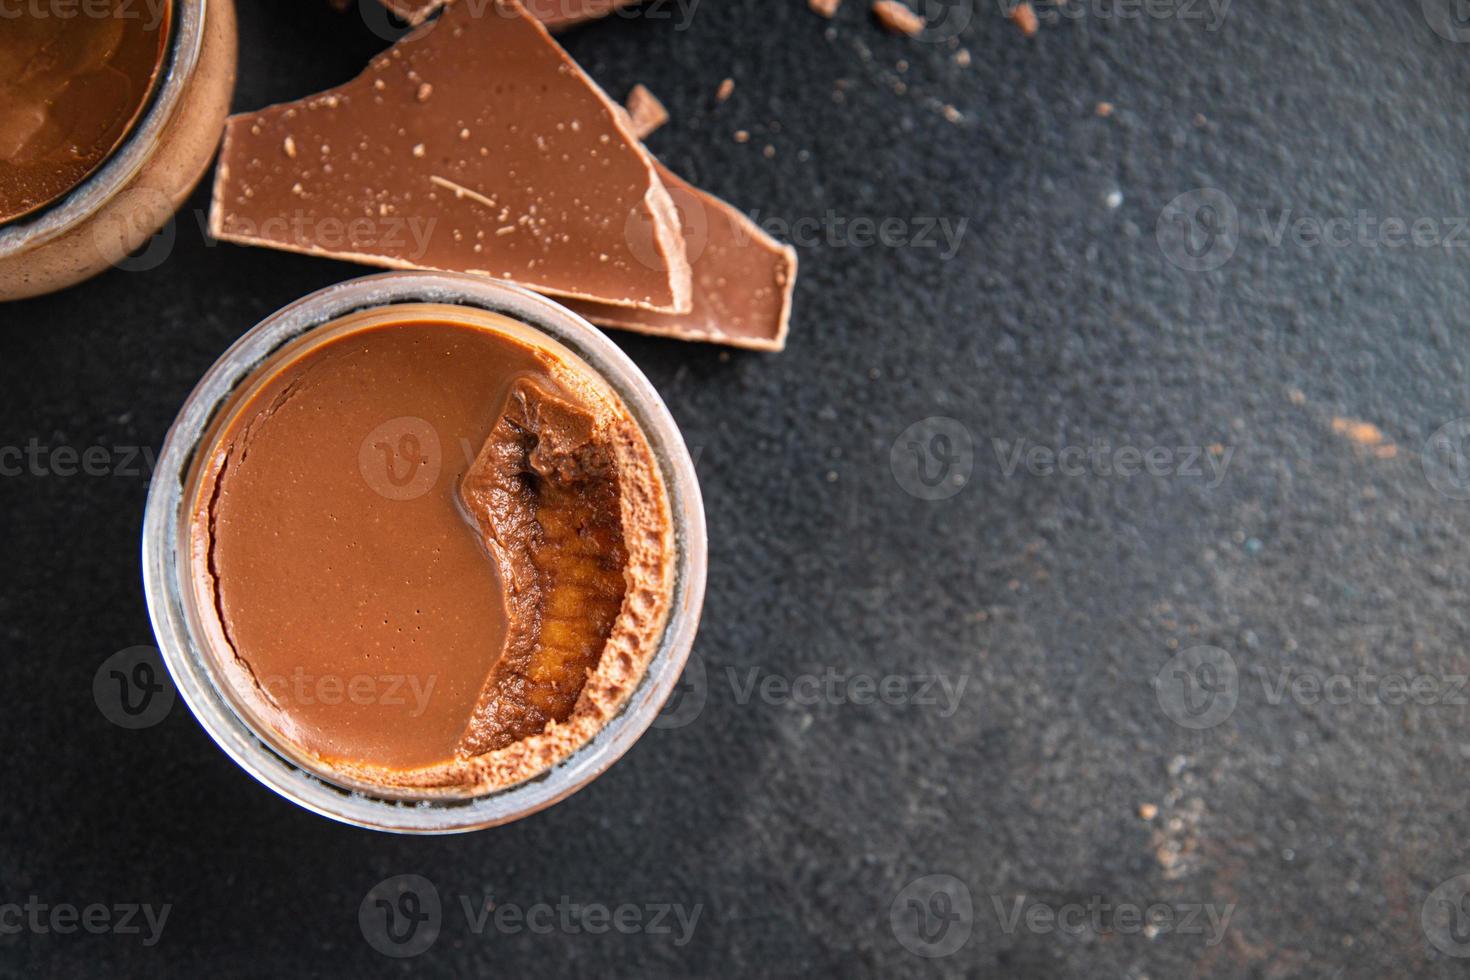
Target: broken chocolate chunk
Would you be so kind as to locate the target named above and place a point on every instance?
(555, 14)
(646, 111)
(743, 279)
(475, 145)
(897, 18)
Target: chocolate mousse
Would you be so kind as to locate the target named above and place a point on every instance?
(433, 548)
(72, 87)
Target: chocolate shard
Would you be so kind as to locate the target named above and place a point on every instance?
(743, 279)
(647, 113)
(555, 14)
(476, 145)
(897, 18)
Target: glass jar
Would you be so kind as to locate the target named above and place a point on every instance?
(183, 638)
(147, 179)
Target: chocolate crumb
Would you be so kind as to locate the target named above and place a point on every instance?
(827, 8)
(1024, 17)
(647, 112)
(897, 18)
(741, 136)
(952, 114)
(962, 57)
(726, 89)
(1105, 109)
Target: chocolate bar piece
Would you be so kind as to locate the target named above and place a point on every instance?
(474, 145)
(743, 279)
(555, 14)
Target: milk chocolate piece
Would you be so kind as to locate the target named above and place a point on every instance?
(433, 558)
(71, 89)
(646, 111)
(475, 145)
(897, 18)
(555, 14)
(743, 279)
(1023, 15)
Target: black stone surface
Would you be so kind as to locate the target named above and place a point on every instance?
(793, 825)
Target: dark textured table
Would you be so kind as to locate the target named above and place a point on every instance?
(1142, 655)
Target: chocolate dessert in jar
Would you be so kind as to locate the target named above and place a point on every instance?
(425, 552)
(110, 113)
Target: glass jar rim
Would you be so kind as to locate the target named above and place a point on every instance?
(113, 177)
(166, 566)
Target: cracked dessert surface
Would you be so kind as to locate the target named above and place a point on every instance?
(432, 558)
